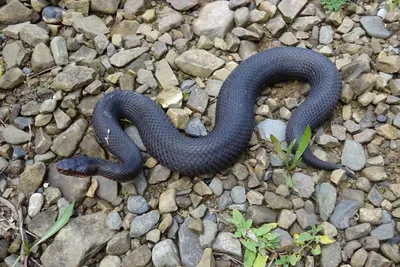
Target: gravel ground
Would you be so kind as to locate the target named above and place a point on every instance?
(61, 57)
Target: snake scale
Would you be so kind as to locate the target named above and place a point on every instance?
(234, 121)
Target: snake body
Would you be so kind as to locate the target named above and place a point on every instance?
(233, 125)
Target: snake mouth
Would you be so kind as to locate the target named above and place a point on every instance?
(78, 166)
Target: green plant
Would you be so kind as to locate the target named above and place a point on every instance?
(60, 223)
(391, 5)
(292, 161)
(257, 241)
(333, 5)
(261, 244)
(1, 68)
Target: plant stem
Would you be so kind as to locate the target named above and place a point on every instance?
(272, 260)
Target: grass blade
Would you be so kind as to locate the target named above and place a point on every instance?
(303, 144)
(17, 260)
(63, 220)
(278, 146)
(1, 68)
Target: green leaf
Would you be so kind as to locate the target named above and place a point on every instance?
(325, 240)
(249, 257)
(289, 181)
(248, 224)
(316, 251)
(250, 245)
(304, 237)
(293, 259)
(237, 234)
(281, 261)
(1, 68)
(63, 220)
(237, 216)
(303, 144)
(265, 229)
(260, 260)
(289, 150)
(278, 146)
(272, 236)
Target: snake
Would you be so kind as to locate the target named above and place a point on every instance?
(233, 126)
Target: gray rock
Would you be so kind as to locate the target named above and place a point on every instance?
(277, 202)
(210, 230)
(247, 49)
(104, 6)
(81, 239)
(183, 5)
(67, 142)
(42, 222)
(72, 189)
(137, 205)
(189, 245)
(375, 27)
(305, 219)
(125, 57)
(41, 58)
(198, 100)
(326, 35)
(11, 79)
(59, 50)
(261, 215)
(343, 212)
(15, 136)
(36, 202)
(198, 62)
(358, 231)
(307, 23)
(226, 243)
(53, 14)
(15, 12)
(383, 232)
(144, 223)
(353, 155)
(303, 184)
(274, 127)
(169, 19)
(286, 219)
(241, 16)
(101, 43)
(119, 244)
(196, 128)
(286, 241)
(238, 194)
(114, 221)
(331, 255)
(391, 252)
(136, 7)
(165, 254)
(375, 197)
(13, 54)
(110, 261)
(90, 26)
(73, 78)
(34, 35)
(291, 8)
(133, 133)
(84, 56)
(326, 199)
(138, 257)
(146, 77)
(359, 258)
(87, 104)
(215, 20)
(165, 75)
(376, 260)
(42, 141)
(90, 147)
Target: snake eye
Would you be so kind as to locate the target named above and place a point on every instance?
(77, 166)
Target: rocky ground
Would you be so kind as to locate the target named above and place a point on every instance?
(61, 57)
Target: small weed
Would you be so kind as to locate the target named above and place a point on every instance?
(60, 223)
(333, 5)
(261, 243)
(1, 68)
(391, 5)
(292, 161)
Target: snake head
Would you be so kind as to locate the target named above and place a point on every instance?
(77, 166)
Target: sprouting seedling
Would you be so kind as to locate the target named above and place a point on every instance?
(60, 223)
(292, 161)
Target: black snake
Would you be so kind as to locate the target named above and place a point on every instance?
(233, 125)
